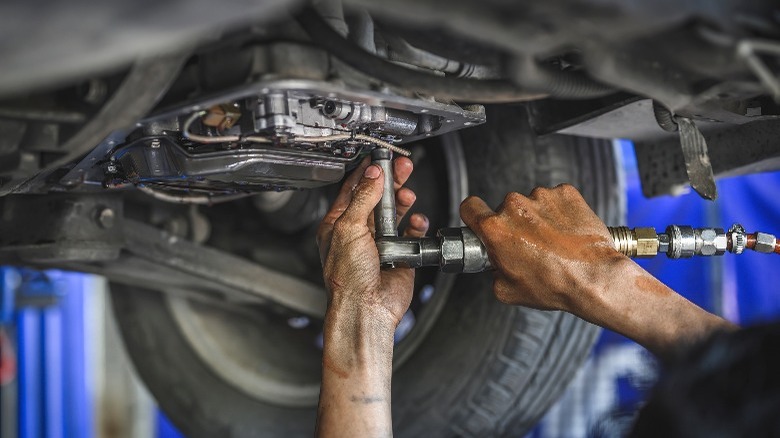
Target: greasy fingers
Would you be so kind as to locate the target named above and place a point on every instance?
(365, 197)
(404, 200)
(352, 188)
(345, 194)
(357, 286)
(418, 226)
(325, 230)
(402, 168)
(549, 248)
(472, 210)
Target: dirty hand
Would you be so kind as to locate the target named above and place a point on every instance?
(552, 252)
(347, 250)
(364, 308)
(549, 248)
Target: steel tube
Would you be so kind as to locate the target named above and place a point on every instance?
(384, 213)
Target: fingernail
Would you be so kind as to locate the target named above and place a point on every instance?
(372, 172)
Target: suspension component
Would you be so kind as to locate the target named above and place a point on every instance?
(682, 241)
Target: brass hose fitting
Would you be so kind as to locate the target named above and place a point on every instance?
(683, 241)
(636, 242)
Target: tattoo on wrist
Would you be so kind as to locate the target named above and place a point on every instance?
(366, 399)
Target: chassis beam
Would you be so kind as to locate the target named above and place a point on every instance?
(90, 234)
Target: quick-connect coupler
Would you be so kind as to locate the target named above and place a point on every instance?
(682, 241)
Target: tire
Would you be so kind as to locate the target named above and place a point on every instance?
(484, 368)
(505, 366)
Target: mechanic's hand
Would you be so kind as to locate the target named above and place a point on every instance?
(347, 250)
(548, 249)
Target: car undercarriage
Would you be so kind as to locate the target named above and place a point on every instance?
(188, 152)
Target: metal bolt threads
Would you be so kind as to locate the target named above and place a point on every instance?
(624, 240)
(639, 242)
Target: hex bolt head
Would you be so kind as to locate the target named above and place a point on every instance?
(765, 242)
(646, 242)
(663, 243)
(721, 243)
(451, 245)
(106, 218)
(713, 241)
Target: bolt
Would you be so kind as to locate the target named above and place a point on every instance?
(451, 245)
(713, 241)
(106, 218)
(177, 226)
(646, 242)
(663, 243)
(765, 242)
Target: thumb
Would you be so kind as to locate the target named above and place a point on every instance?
(366, 196)
(473, 210)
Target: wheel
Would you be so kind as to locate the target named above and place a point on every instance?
(469, 365)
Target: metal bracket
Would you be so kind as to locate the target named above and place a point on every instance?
(697, 160)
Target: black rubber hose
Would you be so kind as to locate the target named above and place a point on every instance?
(561, 84)
(570, 85)
(564, 85)
(471, 90)
(664, 117)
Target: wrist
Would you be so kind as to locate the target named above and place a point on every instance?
(594, 297)
(354, 334)
(639, 306)
(352, 313)
(357, 368)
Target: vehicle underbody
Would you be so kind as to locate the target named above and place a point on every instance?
(195, 154)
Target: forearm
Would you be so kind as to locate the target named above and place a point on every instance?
(639, 306)
(357, 364)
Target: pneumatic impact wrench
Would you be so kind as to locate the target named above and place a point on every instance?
(459, 250)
